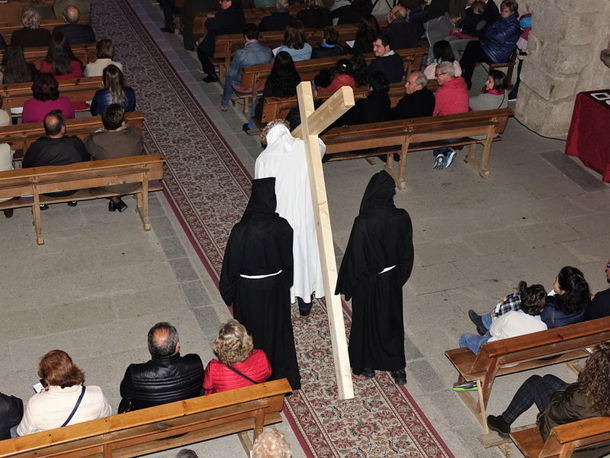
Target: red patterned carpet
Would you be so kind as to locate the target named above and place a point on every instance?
(208, 189)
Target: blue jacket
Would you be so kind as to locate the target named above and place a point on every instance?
(554, 318)
(252, 53)
(501, 38)
(297, 54)
(103, 98)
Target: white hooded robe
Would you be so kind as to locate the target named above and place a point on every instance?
(284, 158)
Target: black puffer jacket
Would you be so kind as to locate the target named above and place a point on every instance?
(11, 411)
(161, 380)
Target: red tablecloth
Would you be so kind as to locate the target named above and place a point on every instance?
(589, 135)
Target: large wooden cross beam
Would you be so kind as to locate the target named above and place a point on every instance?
(312, 123)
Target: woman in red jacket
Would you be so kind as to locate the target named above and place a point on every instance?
(238, 365)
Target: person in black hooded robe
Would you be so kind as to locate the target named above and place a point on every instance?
(377, 263)
(256, 277)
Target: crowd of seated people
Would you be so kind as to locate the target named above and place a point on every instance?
(63, 398)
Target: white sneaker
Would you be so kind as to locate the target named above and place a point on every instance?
(449, 158)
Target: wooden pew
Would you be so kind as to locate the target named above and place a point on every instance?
(522, 353)
(85, 52)
(21, 136)
(163, 427)
(29, 185)
(564, 439)
(76, 89)
(417, 134)
(7, 29)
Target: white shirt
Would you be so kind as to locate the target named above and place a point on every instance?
(515, 323)
(50, 408)
(97, 68)
(284, 158)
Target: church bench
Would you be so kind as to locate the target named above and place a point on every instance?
(27, 186)
(162, 427)
(564, 439)
(21, 136)
(76, 89)
(508, 68)
(418, 134)
(85, 52)
(7, 28)
(522, 353)
(253, 77)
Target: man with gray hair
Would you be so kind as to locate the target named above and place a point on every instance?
(74, 32)
(418, 101)
(167, 377)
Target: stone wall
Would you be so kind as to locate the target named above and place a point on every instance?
(563, 59)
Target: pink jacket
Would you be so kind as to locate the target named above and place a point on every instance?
(451, 98)
(35, 110)
(218, 377)
(339, 81)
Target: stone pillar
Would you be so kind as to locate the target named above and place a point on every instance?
(564, 50)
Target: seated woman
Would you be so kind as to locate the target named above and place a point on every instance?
(314, 15)
(368, 30)
(559, 402)
(104, 50)
(6, 163)
(498, 43)
(442, 53)
(45, 90)
(494, 94)
(238, 364)
(505, 323)
(31, 34)
(342, 77)
(375, 107)
(65, 400)
(60, 60)
(295, 42)
(114, 91)
(16, 68)
(569, 300)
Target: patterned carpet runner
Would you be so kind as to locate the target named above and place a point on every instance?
(208, 188)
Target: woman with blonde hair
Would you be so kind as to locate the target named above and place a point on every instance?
(238, 364)
(114, 91)
(271, 444)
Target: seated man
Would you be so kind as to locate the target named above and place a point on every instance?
(116, 140)
(278, 19)
(11, 412)
(328, 47)
(84, 6)
(56, 148)
(600, 305)
(74, 32)
(253, 53)
(402, 33)
(451, 98)
(386, 61)
(167, 377)
(419, 100)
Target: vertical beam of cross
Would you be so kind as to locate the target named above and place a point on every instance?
(312, 123)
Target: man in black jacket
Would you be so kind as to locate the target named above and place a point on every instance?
(167, 377)
(418, 102)
(11, 411)
(74, 32)
(329, 46)
(386, 60)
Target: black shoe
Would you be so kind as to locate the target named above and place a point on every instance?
(396, 157)
(72, 203)
(210, 78)
(400, 377)
(498, 425)
(367, 372)
(8, 212)
(121, 206)
(167, 29)
(111, 206)
(44, 207)
(304, 307)
(478, 322)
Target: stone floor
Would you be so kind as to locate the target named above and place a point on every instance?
(100, 281)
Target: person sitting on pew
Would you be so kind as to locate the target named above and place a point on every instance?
(600, 305)
(367, 33)
(74, 32)
(189, 11)
(238, 363)
(117, 139)
(328, 47)
(104, 51)
(253, 53)
(342, 77)
(375, 107)
(295, 42)
(569, 300)
(84, 6)
(505, 322)
(442, 53)
(402, 33)
(46, 97)
(314, 15)
(230, 19)
(15, 67)
(386, 60)
(114, 91)
(11, 413)
(167, 377)
(352, 12)
(6, 163)
(31, 34)
(60, 60)
(278, 19)
(559, 402)
(418, 101)
(494, 94)
(271, 443)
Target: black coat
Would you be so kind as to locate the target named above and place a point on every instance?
(55, 151)
(77, 33)
(391, 66)
(161, 380)
(227, 21)
(277, 20)
(31, 37)
(11, 411)
(321, 51)
(402, 35)
(416, 105)
(349, 14)
(375, 107)
(315, 18)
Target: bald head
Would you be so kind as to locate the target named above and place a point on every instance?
(54, 126)
(71, 14)
(163, 340)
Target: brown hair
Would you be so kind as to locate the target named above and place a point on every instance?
(294, 37)
(57, 369)
(533, 298)
(45, 87)
(233, 344)
(104, 49)
(593, 379)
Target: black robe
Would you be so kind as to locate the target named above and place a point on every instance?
(261, 244)
(381, 237)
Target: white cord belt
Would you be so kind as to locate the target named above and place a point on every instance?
(387, 269)
(258, 277)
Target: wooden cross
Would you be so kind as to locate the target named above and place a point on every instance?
(312, 123)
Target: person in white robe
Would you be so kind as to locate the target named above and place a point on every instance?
(284, 158)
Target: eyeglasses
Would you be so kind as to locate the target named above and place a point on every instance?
(439, 74)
